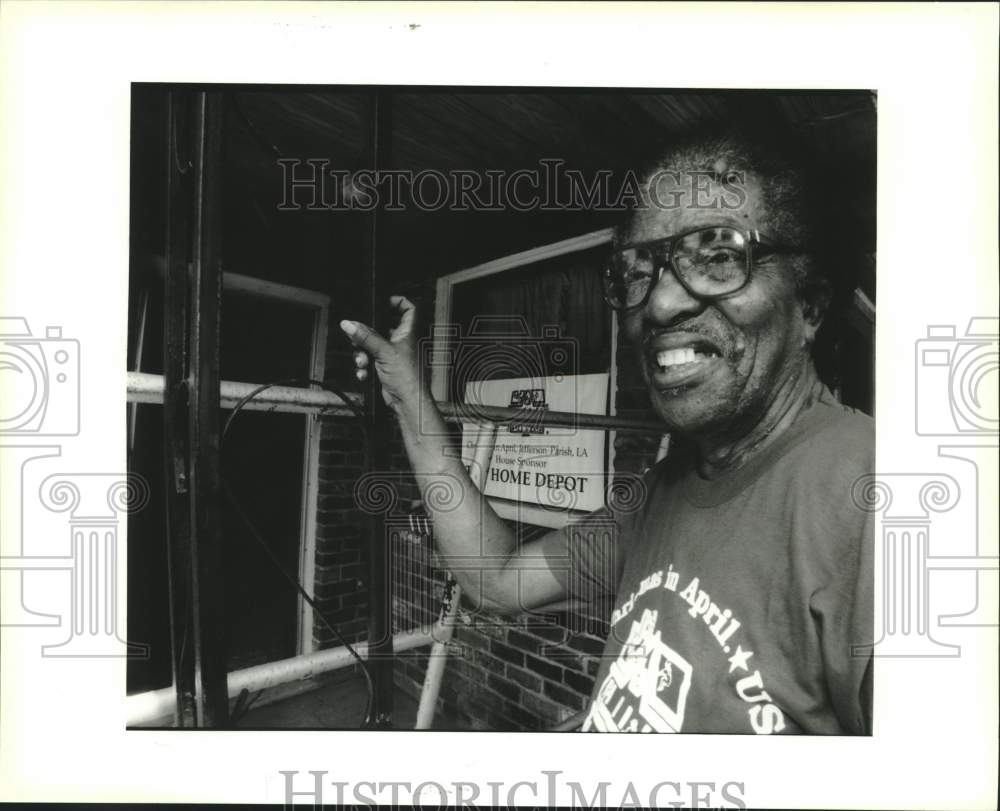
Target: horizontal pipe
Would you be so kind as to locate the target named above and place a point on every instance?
(480, 414)
(144, 708)
(148, 388)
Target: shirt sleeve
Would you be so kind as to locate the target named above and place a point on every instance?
(843, 605)
(846, 608)
(597, 545)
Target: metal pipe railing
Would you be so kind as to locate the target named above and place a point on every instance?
(485, 442)
(481, 414)
(146, 708)
(148, 388)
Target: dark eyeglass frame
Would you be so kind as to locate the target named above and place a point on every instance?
(752, 238)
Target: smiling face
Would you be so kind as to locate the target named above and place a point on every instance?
(714, 368)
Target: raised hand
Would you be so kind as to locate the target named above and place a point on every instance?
(395, 360)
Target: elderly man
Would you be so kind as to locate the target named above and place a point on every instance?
(744, 581)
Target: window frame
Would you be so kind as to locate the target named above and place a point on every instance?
(319, 304)
(443, 298)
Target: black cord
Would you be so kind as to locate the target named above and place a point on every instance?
(243, 705)
(296, 381)
(305, 595)
(255, 534)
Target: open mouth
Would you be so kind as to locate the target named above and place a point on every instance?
(677, 363)
(672, 358)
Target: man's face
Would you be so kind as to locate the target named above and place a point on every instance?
(745, 345)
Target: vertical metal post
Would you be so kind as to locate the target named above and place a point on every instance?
(377, 416)
(175, 407)
(191, 408)
(203, 381)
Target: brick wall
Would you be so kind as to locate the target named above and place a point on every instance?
(342, 530)
(341, 535)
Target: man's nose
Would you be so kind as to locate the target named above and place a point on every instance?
(669, 300)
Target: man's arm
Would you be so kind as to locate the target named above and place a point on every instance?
(477, 545)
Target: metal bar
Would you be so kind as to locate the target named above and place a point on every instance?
(175, 411)
(438, 657)
(207, 557)
(463, 412)
(378, 419)
(479, 469)
(151, 706)
(148, 388)
(133, 409)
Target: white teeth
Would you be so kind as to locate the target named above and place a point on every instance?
(676, 357)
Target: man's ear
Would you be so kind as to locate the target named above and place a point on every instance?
(814, 303)
(814, 299)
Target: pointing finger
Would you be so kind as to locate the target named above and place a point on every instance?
(364, 337)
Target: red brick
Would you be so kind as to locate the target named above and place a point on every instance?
(565, 658)
(472, 639)
(543, 668)
(528, 644)
(553, 634)
(507, 689)
(543, 708)
(588, 645)
(500, 723)
(487, 662)
(525, 679)
(579, 682)
(564, 696)
(506, 652)
(522, 717)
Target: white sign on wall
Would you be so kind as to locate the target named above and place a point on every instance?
(550, 467)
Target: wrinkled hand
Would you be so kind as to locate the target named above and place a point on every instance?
(396, 360)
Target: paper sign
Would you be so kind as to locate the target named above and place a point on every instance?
(552, 467)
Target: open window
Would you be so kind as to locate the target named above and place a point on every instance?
(270, 460)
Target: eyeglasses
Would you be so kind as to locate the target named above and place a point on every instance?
(708, 262)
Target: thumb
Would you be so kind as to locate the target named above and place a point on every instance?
(364, 337)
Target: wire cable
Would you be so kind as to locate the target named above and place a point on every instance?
(255, 534)
(295, 381)
(305, 595)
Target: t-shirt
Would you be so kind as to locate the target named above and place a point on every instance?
(745, 602)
